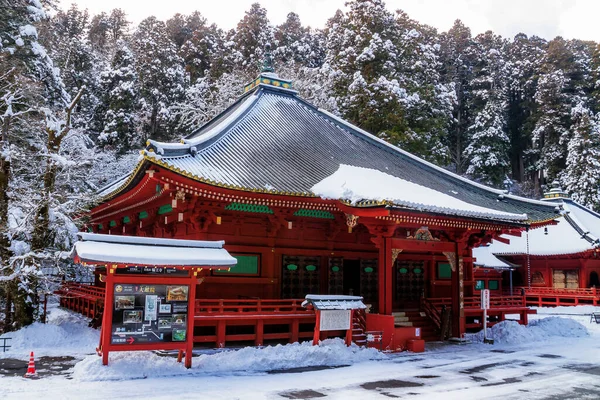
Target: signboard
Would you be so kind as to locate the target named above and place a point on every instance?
(335, 320)
(149, 313)
(485, 299)
(134, 270)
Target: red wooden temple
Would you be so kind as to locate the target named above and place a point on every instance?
(554, 265)
(311, 204)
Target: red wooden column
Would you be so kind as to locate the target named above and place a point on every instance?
(317, 334)
(107, 317)
(458, 292)
(384, 244)
(349, 331)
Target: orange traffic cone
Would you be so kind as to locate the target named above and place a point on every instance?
(31, 368)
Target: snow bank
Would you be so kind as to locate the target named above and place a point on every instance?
(66, 333)
(246, 361)
(511, 332)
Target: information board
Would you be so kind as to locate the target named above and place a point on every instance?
(149, 313)
(144, 270)
(334, 320)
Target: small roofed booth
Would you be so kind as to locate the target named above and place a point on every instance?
(150, 289)
(337, 313)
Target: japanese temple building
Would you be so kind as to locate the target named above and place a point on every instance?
(310, 204)
(561, 256)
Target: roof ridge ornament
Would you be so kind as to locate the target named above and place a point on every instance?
(267, 63)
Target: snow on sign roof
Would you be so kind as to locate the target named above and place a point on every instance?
(356, 184)
(103, 249)
(334, 302)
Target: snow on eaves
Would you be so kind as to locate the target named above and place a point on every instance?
(345, 124)
(356, 184)
(559, 239)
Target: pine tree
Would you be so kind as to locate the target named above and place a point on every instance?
(581, 176)
(457, 59)
(119, 88)
(523, 63)
(487, 151)
(252, 34)
(161, 78)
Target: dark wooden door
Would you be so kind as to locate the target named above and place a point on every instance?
(410, 283)
(300, 276)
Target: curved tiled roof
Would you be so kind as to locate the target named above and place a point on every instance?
(272, 141)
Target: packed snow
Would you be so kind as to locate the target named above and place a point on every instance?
(555, 337)
(357, 184)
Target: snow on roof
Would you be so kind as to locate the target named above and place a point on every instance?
(334, 302)
(587, 220)
(560, 239)
(356, 184)
(102, 249)
(486, 259)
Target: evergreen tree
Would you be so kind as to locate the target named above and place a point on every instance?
(120, 95)
(487, 151)
(249, 39)
(457, 58)
(161, 78)
(581, 176)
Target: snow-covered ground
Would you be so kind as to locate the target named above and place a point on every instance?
(555, 357)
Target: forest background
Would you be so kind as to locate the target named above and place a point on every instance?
(80, 94)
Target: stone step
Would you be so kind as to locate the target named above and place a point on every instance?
(403, 324)
(401, 319)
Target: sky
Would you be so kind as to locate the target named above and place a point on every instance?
(545, 18)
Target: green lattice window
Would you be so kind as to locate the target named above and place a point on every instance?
(303, 212)
(165, 209)
(493, 285)
(246, 265)
(252, 208)
(444, 271)
(479, 285)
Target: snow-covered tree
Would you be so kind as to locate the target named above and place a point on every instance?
(581, 176)
(161, 78)
(120, 92)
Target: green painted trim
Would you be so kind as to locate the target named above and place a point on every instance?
(143, 215)
(291, 267)
(493, 285)
(167, 208)
(444, 271)
(403, 270)
(303, 212)
(126, 220)
(368, 270)
(112, 223)
(311, 268)
(252, 208)
(335, 268)
(158, 188)
(246, 265)
(100, 227)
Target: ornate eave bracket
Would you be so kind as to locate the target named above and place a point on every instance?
(351, 221)
(395, 253)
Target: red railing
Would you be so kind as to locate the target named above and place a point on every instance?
(500, 307)
(552, 297)
(213, 307)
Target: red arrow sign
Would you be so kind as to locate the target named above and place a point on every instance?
(130, 340)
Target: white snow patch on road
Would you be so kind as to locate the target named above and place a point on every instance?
(245, 361)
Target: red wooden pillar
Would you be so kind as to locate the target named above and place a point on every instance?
(107, 317)
(260, 329)
(220, 333)
(295, 330)
(388, 276)
(349, 331)
(190, 323)
(458, 293)
(316, 335)
(381, 277)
